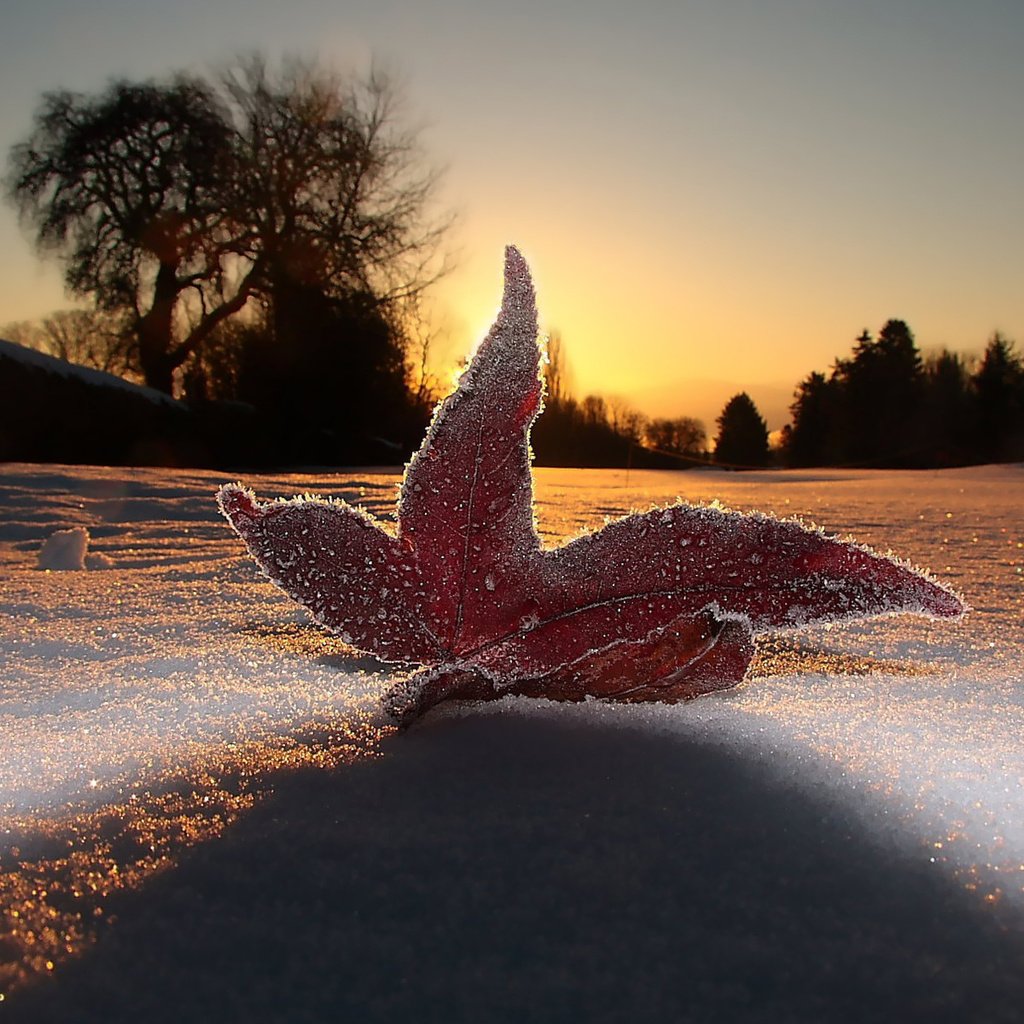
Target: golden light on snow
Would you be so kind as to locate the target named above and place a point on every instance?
(57, 876)
(147, 706)
(135, 738)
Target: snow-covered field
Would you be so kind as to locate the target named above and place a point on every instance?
(204, 814)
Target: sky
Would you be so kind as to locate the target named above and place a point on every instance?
(713, 196)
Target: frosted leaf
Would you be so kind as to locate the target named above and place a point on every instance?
(659, 605)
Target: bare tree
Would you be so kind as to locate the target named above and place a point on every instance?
(624, 419)
(594, 410)
(182, 201)
(124, 188)
(28, 333)
(97, 338)
(683, 435)
(556, 370)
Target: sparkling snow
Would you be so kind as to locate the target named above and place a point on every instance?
(176, 705)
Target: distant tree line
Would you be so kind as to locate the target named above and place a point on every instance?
(887, 406)
(607, 432)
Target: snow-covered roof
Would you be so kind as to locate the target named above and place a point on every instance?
(95, 378)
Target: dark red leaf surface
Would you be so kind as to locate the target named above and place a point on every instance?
(656, 606)
(692, 655)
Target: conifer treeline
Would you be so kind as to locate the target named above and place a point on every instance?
(886, 406)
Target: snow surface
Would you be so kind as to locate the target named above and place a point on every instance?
(203, 812)
(65, 549)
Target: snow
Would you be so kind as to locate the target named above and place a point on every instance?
(65, 549)
(204, 812)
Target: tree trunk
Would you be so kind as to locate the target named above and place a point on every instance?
(156, 330)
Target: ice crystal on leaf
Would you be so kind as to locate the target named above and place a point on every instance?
(657, 606)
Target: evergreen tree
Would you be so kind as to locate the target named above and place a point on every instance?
(810, 440)
(999, 403)
(742, 434)
(880, 397)
(946, 413)
(683, 435)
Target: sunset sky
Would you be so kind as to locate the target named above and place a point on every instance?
(713, 196)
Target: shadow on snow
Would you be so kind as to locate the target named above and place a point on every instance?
(510, 867)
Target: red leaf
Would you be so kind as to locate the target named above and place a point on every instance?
(693, 655)
(655, 606)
